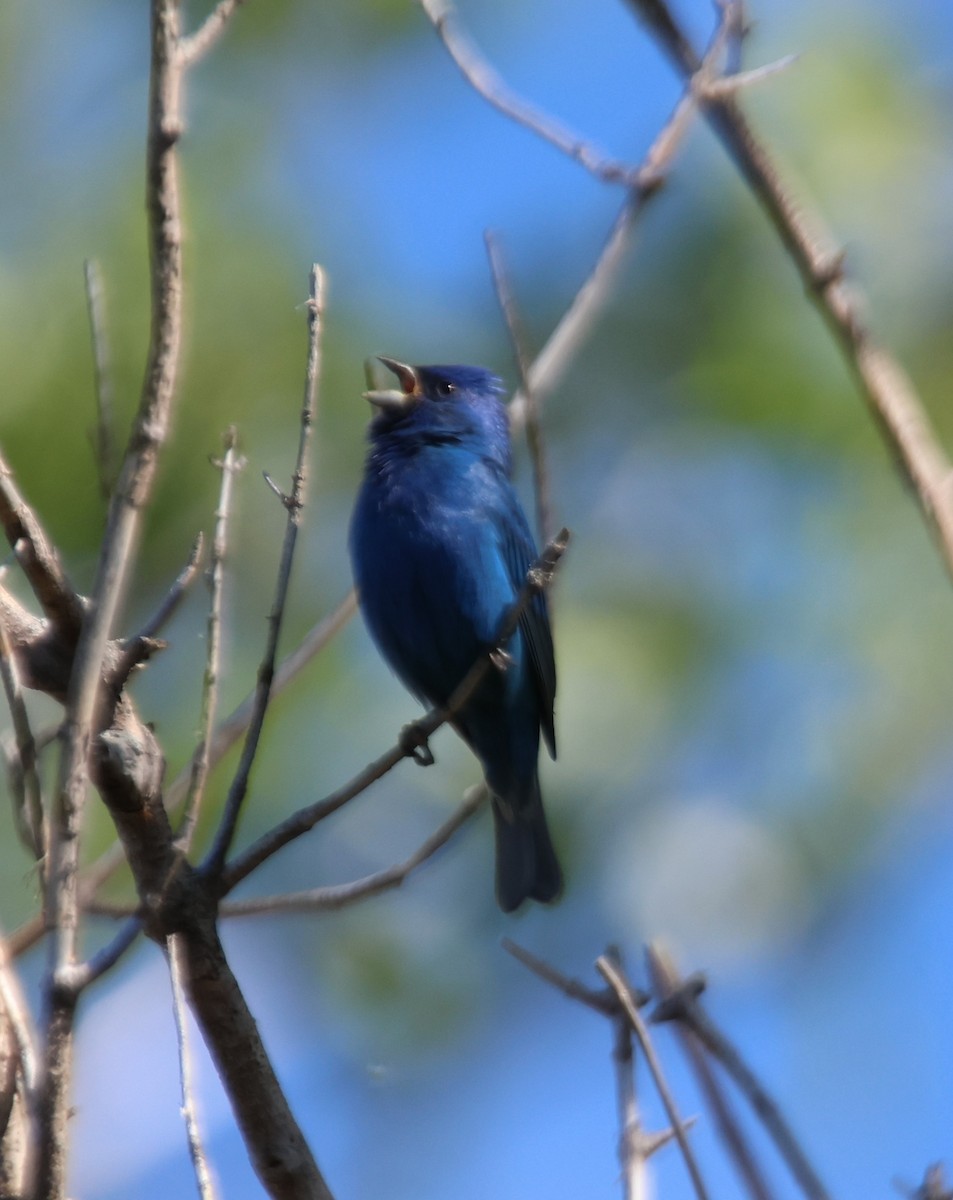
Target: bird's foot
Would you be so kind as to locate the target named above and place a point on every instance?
(413, 741)
(501, 659)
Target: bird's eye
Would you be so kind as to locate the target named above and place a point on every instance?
(445, 388)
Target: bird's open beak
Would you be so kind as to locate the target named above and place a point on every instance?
(396, 400)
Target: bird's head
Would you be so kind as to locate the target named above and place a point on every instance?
(453, 404)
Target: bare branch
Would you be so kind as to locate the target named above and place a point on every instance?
(891, 397)
(602, 1001)
(665, 983)
(142, 645)
(328, 899)
(105, 959)
(933, 1187)
(484, 79)
(34, 552)
(203, 1177)
(104, 440)
(17, 1014)
(294, 503)
(278, 1149)
(534, 433)
(538, 578)
(592, 297)
(623, 990)
(680, 1003)
(174, 596)
(633, 1158)
(235, 724)
(730, 85)
(202, 758)
(198, 44)
(25, 790)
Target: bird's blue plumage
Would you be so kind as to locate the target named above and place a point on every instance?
(440, 548)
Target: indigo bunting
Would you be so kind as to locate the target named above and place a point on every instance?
(440, 548)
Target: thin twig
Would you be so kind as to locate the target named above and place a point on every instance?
(17, 1013)
(198, 44)
(57, 597)
(731, 85)
(106, 958)
(538, 578)
(592, 297)
(534, 433)
(177, 966)
(25, 790)
(620, 985)
(602, 1001)
(330, 899)
(485, 80)
(294, 504)
(104, 437)
(665, 982)
(632, 1159)
(144, 643)
(202, 758)
(174, 596)
(642, 182)
(681, 1004)
(890, 395)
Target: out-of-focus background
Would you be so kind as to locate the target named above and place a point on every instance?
(754, 632)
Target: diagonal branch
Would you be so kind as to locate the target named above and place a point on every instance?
(890, 396)
(623, 990)
(198, 44)
(592, 297)
(679, 1002)
(665, 983)
(485, 80)
(57, 597)
(330, 899)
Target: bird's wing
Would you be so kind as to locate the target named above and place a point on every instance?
(519, 555)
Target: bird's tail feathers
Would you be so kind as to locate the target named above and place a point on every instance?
(526, 863)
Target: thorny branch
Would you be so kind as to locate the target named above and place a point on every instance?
(679, 1001)
(629, 1001)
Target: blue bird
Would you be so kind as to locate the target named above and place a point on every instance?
(440, 548)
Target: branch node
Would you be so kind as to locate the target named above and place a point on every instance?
(677, 1004)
